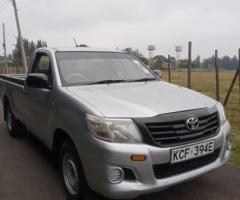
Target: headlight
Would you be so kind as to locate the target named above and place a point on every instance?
(114, 130)
(221, 113)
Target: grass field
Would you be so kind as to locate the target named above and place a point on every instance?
(204, 81)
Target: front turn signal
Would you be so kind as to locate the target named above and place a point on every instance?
(138, 157)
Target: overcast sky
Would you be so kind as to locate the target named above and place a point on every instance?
(209, 24)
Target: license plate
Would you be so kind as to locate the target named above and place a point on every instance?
(192, 151)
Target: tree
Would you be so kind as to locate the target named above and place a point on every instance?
(183, 63)
(197, 62)
(41, 43)
(225, 62)
(208, 62)
(229, 63)
(29, 46)
(234, 62)
(137, 53)
(159, 61)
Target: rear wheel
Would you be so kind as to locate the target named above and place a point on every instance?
(13, 125)
(72, 174)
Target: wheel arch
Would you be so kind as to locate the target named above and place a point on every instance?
(59, 137)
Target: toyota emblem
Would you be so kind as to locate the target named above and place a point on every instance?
(192, 123)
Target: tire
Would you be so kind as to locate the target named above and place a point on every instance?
(72, 174)
(14, 127)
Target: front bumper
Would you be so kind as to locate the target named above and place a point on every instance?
(102, 156)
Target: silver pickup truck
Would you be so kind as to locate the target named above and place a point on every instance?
(112, 125)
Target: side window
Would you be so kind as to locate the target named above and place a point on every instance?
(43, 66)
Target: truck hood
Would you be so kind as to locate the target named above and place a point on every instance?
(140, 99)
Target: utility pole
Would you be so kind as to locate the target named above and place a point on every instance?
(217, 76)
(24, 61)
(169, 69)
(239, 73)
(189, 84)
(5, 49)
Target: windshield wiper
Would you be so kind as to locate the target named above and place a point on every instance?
(120, 81)
(107, 82)
(144, 80)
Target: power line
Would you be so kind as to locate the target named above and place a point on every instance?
(8, 19)
(27, 4)
(3, 9)
(4, 2)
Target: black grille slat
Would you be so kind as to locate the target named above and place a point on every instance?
(212, 123)
(159, 127)
(186, 131)
(163, 132)
(179, 126)
(190, 136)
(166, 138)
(203, 122)
(210, 129)
(209, 117)
(176, 132)
(167, 170)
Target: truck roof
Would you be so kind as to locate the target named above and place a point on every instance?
(77, 49)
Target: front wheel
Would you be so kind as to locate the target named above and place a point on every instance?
(72, 174)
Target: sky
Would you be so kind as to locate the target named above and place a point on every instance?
(209, 24)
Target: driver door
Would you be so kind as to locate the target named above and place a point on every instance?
(39, 99)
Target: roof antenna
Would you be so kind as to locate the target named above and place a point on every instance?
(79, 45)
(75, 42)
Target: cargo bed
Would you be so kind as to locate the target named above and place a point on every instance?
(15, 78)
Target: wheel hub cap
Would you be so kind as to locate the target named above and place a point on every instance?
(9, 120)
(70, 174)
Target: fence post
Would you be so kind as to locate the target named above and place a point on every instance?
(239, 73)
(217, 76)
(169, 69)
(189, 65)
(231, 86)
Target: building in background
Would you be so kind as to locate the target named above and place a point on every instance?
(151, 49)
(178, 50)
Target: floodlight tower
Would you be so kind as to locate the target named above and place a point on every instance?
(151, 49)
(178, 50)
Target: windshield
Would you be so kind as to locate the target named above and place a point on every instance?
(81, 68)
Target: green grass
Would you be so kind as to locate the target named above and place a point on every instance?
(204, 82)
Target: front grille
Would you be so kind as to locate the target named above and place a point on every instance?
(175, 131)
(166, 170)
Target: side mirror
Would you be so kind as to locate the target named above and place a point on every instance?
(158, 73)
(37, 80)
